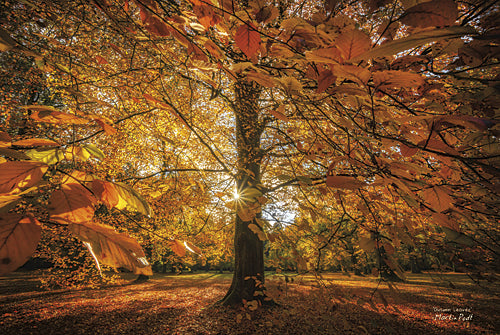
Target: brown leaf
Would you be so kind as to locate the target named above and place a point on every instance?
(35, 142)
(18, 240)
(352, 43)
(247, 38)
(350, 183)
(279, 116)
(397, 79)
(438, 197)
(72, 203)
(435, 13)
(407, 151)
(326, 78)
(16, 175)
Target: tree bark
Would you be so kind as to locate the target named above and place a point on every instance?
(248, 276)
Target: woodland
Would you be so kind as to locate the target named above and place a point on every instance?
(335, 143)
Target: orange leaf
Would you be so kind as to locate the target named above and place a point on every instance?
(325, 55)
(101, 60)
(106, 192)
(178, 247)
(435, 13)
(20, 175)
(44, 114)
(352, 43)
(279, 115)
(18, 240)
(193, 248)
(35, 142)
(112, 248)
(397, 79)
(108, 129)
(247, 38)
(350, 183)
(438, 197)
(72, 203)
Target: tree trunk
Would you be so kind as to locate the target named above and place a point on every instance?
(248, 276)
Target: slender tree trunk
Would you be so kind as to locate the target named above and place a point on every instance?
(248, 277)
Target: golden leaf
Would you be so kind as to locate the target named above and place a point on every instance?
(18, 240)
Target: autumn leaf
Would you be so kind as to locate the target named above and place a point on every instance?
(72, 203)
(47, 156)
(48, 114)
(10, 200)
(414, 40)
(106, 192)
(129, 198)
(436, 13)
(35, 142)
(108, 129)
(192, 248)
(94, 151)
(325, 55)
(279, 115)
(346, 182)
(352, 43)
(325, 80)
(247, 38)
(112, 248)
(19, 238)
(439, 198)
(397, 79)
(407, 151)
(178, 248)
(16, 175)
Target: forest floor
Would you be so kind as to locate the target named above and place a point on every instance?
(184, 304)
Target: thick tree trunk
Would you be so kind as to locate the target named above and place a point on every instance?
(248, 276)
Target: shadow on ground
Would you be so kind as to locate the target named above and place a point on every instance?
(185, 305)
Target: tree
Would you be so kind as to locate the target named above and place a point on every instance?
(385, 106)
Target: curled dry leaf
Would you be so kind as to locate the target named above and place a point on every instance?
(19, 238)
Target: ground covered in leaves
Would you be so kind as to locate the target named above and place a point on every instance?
(184, 304)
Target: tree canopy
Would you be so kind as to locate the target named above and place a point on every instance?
(310, 117)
